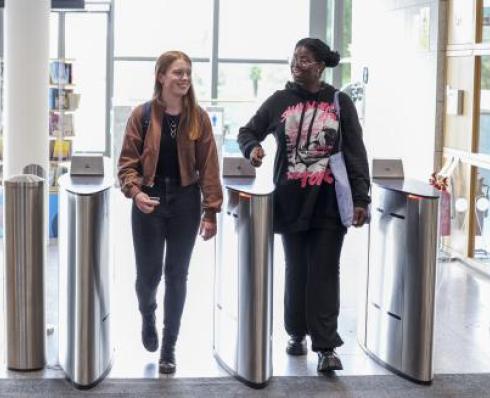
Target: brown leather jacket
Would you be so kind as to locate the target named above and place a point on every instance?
(198, 160)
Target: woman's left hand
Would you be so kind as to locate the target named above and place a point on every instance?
(207, 229)
(359, 217)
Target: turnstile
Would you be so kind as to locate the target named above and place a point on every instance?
(397, 319)
(243, 284)
(85, 256)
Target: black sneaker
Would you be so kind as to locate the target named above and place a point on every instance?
(149, 334)
(328, 361)
(297, 346)
(167, 364)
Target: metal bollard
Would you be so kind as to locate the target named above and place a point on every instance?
(24, 263)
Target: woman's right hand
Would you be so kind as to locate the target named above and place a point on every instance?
(144, 203)
(256, 156)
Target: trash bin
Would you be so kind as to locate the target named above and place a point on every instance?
(397, 327)
(243, 284)
(85, 348)
(24, 264)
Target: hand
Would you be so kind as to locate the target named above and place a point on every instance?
(256, 156)
(359, 218)
(207, 229)
(144, 203)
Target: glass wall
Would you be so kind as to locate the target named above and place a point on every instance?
(346, 43)
(486, 21)
(86, 45)
(339, 37)
(482, 216)
(242, 87)
(467, 130)
(484, 130)
(455, 236)
(257, 29)
(254, 43)
(150, 27)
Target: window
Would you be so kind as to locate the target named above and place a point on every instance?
(261, 29)
(243, 87)
(457, 236)
(255, 30)
(486, 21)
(151, 27)
(482, 216)
(338, 36)
(484, 132)
(84, 45)
(346, 43)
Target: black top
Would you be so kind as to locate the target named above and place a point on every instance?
(168, 160)
(305, 126)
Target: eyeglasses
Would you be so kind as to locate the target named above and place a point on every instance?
(303, 62)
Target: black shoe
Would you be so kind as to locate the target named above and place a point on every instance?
(297, 346)
(167, 363)
(328, 361)
(149, 333)
(167, 366)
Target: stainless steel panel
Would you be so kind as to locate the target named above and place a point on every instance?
(388, 254)
(226, 282)
(403, 240)
(384, 336)
(243, 287)
(255, 288)
(420, 279)
(85, 258)
(24, 267)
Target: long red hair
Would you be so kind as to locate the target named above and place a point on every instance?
(190, 118)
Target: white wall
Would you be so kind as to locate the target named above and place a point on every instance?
(404, 93)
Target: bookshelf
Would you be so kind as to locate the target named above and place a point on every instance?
(63, 103)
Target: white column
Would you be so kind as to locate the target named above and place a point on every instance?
(26, 57)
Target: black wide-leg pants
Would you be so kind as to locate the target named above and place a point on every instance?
(312, 290)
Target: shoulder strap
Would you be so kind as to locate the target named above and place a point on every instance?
(336, 103)
(145, 122)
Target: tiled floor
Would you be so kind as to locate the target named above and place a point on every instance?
(462, 316)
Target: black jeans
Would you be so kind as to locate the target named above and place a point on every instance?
(173, 223)
(312, 293)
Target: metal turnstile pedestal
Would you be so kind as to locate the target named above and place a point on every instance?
(397, 319)
(243, 285)
(85, 348)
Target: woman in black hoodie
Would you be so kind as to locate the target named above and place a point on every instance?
(305, 122)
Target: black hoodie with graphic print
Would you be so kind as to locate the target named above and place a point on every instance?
(305, 126)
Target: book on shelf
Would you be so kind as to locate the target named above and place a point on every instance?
(55, 126)
(64, 99)
(60, 149)
(60, 72)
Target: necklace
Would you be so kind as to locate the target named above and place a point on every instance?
(173, 125)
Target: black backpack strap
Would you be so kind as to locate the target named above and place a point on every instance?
(145, 122)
